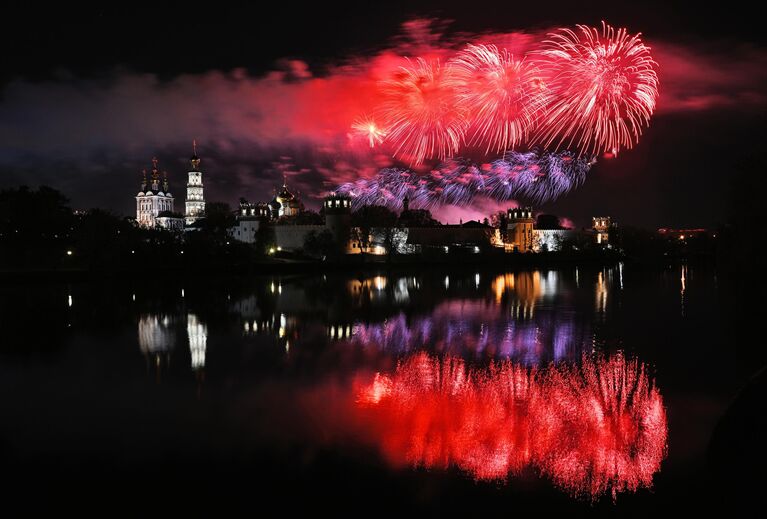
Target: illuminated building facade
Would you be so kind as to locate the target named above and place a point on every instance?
(601, 227)
(195, 198)
(285, 203)
(519, 229)
(154, 202)
(287, 235)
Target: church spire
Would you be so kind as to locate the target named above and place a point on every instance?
(143, 181)
(195, 160)
(155, 175)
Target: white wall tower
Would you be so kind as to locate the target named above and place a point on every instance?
(195, 200)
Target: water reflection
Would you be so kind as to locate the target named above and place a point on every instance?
(156, 339)
(197, 334)
(592, 428)
(600, 292)
(466, 327)
(524, 316)
(683, 286)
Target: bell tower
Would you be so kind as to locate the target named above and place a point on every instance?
(195, 199)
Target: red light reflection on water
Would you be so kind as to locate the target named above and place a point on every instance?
(592, 428)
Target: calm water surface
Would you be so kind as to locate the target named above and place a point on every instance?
(590, 389)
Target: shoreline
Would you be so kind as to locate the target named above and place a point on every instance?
(347, 265)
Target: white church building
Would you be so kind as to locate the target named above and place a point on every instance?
(154, 202)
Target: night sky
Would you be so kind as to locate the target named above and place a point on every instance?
(88, 96)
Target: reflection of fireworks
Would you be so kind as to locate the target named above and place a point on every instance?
(593, 429)
(539, 177)
(502, 95)
(478, 328)
(603, 88)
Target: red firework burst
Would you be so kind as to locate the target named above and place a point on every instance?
(603, 89)
(502, 96)
(367, 128)
(420, 112)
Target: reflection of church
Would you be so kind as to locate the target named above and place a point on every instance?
(157, 339)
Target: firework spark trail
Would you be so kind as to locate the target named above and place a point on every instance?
(535, 176)
(592, 429)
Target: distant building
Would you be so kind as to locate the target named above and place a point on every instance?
(153, 200)
(195, 198)
(249, 220)
(338, 216)
(601, 227)
(519, 229)
(288, 235)
(285, 203)
(684, 234)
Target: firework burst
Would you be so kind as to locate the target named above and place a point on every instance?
(367, 128)
(603, 89)
(420, 112)
(503, 96)
(535, 176)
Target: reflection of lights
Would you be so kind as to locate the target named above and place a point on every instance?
(133, 297)
(447, 282)
(283, 325)
(182, 292)
(620, 274)
(683, 287)
(683, 279)
(548, 284)
(592, 429)
(401, 292)
(501, 284)
(69, 253)
(601, 293)
(339, 332)
(69, 300)
(379, 282)
(155, 335)
(476, 280)
(247, 327)
(197, 333)
(272, 287)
